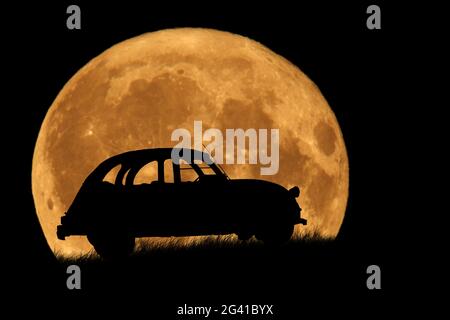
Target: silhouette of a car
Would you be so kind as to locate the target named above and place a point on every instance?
(146, 193)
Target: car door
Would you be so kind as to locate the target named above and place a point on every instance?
(199, 191)
(148, 200)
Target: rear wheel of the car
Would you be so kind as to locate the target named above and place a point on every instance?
(112, 246)
(276, 235)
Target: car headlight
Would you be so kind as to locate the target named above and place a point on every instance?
(295, 191)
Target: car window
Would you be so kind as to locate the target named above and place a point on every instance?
(168, 171)
(147, 174)
(112, 174)
(191, 172)
(124, 178)
(206, 169)
(187, 173)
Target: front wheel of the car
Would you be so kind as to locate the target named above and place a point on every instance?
(112, 246)
(276, 235)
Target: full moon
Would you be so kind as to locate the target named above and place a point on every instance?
(133, 95)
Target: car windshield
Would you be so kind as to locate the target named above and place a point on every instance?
(190, 172)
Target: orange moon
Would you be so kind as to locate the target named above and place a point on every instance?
(134, 95)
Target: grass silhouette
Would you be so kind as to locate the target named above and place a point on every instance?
(228, 245)
(212, 267)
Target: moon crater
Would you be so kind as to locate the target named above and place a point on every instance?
(326, 138)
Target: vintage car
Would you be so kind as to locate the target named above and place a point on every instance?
(148, 193)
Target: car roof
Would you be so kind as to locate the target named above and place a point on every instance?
(155, 154)
(139, 157)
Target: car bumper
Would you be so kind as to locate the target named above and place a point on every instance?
(61, 232)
